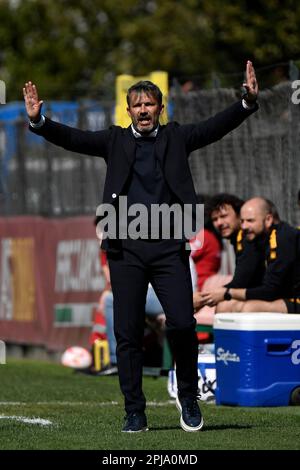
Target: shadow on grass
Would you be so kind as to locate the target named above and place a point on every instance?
(222, 427)
(164, 428)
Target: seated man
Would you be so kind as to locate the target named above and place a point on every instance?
(224, 211)
(279, 290)
(206, 248)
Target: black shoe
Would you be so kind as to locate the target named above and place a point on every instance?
(109, 370)
(191, 419)
(135, 422)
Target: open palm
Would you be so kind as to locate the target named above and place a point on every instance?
(32, 103)
(250, 84)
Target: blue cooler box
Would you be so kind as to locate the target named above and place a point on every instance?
(257, 359)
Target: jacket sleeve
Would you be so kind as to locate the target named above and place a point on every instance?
(75, 140)
(277, 271)
(214, 128)
(249, 267)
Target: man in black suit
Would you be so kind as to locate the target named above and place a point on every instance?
(148, 163)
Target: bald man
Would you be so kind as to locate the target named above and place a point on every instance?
(280, 287)
(224, 211)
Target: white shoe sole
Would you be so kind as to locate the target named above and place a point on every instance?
(134, 432)
(184, 426)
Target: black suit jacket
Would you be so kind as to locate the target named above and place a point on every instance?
(173, 145)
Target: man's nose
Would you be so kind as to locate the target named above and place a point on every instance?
(143, 109)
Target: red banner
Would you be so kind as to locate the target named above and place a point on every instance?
(50, 280)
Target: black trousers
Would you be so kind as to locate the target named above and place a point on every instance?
(164, 263)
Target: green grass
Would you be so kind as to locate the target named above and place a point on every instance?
(83, 417)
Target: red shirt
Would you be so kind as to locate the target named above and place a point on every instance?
(207, 258)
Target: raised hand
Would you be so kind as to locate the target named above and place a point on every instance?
(32, 103)
(250, 84)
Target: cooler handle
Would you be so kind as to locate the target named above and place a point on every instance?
(278, 346)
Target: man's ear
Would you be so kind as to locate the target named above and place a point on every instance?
(162, 108)
(128, 111)
(269, 220)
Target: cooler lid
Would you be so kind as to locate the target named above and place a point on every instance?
(257, 321)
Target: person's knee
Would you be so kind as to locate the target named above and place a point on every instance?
(222, 307)
(219, 307)
(129, 342)
(249, 307)
(181, 333)
(180, 326)
(229, 306)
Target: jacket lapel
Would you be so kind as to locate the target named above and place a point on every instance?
(129, 145)
(160, 146)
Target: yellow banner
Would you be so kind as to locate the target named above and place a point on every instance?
(22, 278)
(124, 82)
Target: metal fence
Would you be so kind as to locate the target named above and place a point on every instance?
(38, 178)
(261, 157)
(258, 158)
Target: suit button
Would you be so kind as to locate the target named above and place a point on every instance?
(114, 195)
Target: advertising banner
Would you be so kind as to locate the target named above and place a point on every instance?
(50, 280)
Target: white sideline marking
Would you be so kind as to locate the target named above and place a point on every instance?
(80, 403)
(23, 419)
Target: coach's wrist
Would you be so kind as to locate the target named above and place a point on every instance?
(248, 104)
(37, 122)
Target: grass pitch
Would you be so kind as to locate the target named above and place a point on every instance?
(85, 412)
